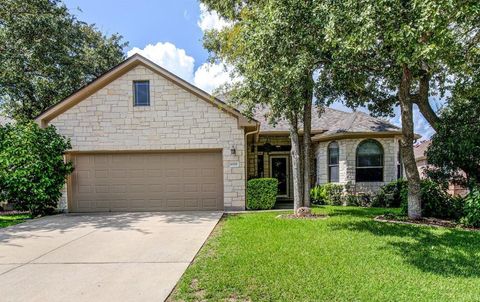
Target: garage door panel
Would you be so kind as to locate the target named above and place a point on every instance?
(147, 182)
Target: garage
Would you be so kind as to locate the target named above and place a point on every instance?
(163, 181)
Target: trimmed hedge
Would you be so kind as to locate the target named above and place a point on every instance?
(261, 193)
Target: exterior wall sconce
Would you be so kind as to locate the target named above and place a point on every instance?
(233, 151)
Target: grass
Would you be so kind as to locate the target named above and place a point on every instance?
(8, 220)
(346, 257)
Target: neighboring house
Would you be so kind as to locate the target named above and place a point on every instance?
(145, 140)
(420, 150)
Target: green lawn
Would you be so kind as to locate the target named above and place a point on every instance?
(346, 257)
(7, 220)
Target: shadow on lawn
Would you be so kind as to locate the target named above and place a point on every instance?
(447, 252)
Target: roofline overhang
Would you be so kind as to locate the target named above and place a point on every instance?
(286, 132)
(121, 69)
(345, 135)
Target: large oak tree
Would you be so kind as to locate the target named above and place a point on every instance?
(400, 53)
(274, 47)
(46, 54)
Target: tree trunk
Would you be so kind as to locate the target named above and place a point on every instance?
(423, 103)
(307, 151)
(296, 168)
(413, 177)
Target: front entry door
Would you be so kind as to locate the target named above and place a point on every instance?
(279, 170)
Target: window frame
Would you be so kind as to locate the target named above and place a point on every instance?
(330, 165)
(135, 102)
(382, 167)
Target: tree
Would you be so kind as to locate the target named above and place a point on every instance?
(272, 46)
(399, 53)
(46, 54)
(456, 145)
(32, 166)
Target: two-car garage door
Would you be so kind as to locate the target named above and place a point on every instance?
(176, 181)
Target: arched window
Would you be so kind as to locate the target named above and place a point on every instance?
(369, 161)
(333, 170)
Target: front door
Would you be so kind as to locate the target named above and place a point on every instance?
(279, 170)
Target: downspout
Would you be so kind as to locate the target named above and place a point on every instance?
(256, 131)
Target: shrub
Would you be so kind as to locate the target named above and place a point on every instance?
(261, 193)
(471, 209)
(327, 194)
(360, 199)
(435, 202)
(391, 194)
(318, 195)
(32, 167)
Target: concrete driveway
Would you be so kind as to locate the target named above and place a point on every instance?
(100, 257)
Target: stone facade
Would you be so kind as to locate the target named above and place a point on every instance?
(175, 120)
(347, 163)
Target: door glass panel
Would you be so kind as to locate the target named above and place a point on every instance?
(279, 171)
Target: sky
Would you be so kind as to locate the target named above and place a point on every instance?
(170, 34)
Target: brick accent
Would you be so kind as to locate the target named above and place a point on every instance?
(175, 120)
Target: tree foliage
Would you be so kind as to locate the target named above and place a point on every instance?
(274, 48)
(32, 166)
(389, 53)
(456, 145)
(46, 54)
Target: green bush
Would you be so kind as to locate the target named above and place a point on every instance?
(32, 167)
(261, 193)
(471, 209)
(318, 195)
(436, 202)
(391, 194)
(327, 194)
(361, 199)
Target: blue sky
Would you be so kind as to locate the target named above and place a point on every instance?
(169, 32)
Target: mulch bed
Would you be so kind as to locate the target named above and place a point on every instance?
(434, 222)
(308, 216)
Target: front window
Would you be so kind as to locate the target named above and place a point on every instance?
(369, 161)
(333, 167)
(141, 93)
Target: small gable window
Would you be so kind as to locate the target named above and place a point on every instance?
(141, 93)
(369, 161)
(333, 168)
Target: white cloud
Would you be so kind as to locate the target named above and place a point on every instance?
(211, 76)
(169, 57)
(207, 77)
(210, 19)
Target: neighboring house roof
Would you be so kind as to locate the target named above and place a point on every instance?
(420, 149)
(332, 123)
(122, 68)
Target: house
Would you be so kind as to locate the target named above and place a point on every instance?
(421, 159)
(145, 140)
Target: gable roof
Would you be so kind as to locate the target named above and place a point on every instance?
(332, 123)
(122, 68)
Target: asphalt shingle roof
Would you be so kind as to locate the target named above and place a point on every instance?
(330, 121)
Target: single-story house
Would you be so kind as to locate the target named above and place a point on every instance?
(145, 140)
